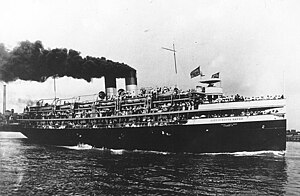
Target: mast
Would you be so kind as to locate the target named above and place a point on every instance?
(174, 52)
(174, 58)
(175, 65)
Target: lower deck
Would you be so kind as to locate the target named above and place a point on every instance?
(195, 138)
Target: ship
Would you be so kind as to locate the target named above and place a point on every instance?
(199, 120)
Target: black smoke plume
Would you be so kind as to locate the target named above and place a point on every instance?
(31, 61)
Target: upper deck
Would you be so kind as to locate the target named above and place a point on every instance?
(147, 106)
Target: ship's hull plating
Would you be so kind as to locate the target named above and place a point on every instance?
(201, 138)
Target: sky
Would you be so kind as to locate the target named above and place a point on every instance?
(254, 45)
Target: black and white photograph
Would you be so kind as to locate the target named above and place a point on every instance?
(149, 97)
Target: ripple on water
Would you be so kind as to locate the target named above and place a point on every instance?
(28, 169)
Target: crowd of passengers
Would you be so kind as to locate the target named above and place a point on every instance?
(128, 110)
(176, 93)
(137, 122)
(189, 104)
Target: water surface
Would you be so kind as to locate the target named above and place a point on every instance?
(30, 169)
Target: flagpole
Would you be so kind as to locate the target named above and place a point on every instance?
(200, 75)
(284, 84)
(54, 88)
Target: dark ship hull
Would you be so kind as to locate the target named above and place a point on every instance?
(200, 138)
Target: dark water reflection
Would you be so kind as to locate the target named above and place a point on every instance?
(28, 169)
